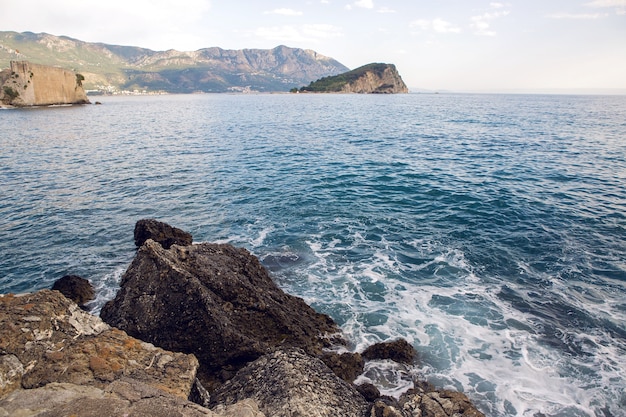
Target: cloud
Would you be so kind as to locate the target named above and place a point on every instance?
(482, 23)
(366, 4)
(157, 24)
(385, 10)
(606, 3)
(618, 5)
(285, 12)
(436, 25)
(312, 33)
(579, 16)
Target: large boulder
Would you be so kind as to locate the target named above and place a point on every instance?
(46, 338)
(216, 301)
(289, 383)
(160, 232)
(75, 288)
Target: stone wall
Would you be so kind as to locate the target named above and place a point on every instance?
(26, 84)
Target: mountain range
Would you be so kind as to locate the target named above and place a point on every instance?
(110, 68)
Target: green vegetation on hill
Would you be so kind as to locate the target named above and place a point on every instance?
(335, 83)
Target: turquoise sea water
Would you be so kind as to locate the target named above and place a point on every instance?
(488, 230)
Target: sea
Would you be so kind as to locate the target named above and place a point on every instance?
(487, 230)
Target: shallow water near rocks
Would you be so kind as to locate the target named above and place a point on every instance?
(487, 230)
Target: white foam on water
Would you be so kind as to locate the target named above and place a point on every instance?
(262, 235)
(106, 289)
(467, 336)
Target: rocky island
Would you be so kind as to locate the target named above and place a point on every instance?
(373, 78)
(25, 84)
(195, 330)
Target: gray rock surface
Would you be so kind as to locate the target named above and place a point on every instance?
(123, 397)
(160, 232)
(289, 383)
(215, 301)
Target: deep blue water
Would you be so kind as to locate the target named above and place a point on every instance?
(488, 230)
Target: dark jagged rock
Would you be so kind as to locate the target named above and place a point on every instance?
(369, 392)
(215, 301)
(75, 288)
(399, 351)
(160, 232)
(346, 366)
(291, 383)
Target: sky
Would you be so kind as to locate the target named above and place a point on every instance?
(441, 45)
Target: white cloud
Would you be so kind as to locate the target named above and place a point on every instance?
(156, 24)
(285, 12)
(579, 16)
(436, 25)
(619, 5)
(290, 34)
(482, 23)
(606, 3)
(366, 4)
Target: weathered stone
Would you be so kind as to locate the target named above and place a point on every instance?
(443, 403)
(75, 288)
(160, 232)
(11, 371)
(26, 84)
(382, 409)
(124, 397)
(291, 383)
(215, 301)
(243, 408)
(346, 366)
(398, 350)
(55, 341)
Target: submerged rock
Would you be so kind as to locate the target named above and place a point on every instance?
(160, 232)
(215, 301)
(75, 288)
(291, 383)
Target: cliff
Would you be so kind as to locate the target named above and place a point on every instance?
(26, 84)
(369, 79)
(110, 68)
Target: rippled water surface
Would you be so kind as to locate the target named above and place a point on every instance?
(488, 230)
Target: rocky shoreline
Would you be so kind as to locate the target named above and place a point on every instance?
(195, 330)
